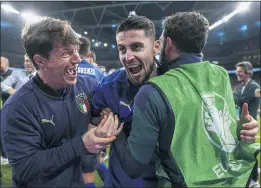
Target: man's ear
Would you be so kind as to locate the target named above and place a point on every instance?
(39, 60)
(169, 45)
(156, 47)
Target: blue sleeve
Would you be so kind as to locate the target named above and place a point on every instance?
(148, 116)
(98, 100)
(22, 136)
(101, 75)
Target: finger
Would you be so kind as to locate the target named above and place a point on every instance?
(106, 111)
(251, 133)
(251, 125)
(107, 125)
(116, 124)
(245, 112)
(119, 129)
(99, 130)
(111, 127)
(99, 140)
(102, 122)
(247, 139)
(92, 150)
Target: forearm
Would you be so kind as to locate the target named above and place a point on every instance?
(5, 88)
(46, 162)
(130, 165)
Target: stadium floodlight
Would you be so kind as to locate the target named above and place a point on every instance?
(30, 17)
(216, 24)
(132, 13)
(226, 18)
(8, 8)
(243, 6)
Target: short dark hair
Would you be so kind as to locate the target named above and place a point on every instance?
(247, 66)
(92, 55)
(85, 46)
(188, 30)
(138, 23)
(40, 37)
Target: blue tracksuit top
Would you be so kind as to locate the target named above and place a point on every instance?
(42, 133)
(117, 92)
(86, 69)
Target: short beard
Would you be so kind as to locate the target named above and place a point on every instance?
(164, 61)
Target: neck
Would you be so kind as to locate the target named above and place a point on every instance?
(174, 56)
(246, 80)
(29, 72)
(54, 86)
(3, 73)
(154, 71)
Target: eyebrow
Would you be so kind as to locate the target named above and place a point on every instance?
(120, 45)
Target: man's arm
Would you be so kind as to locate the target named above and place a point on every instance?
(149, 114)
(98, 102)
(22, 138)
(9, 82)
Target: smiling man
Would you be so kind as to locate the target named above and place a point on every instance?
(18, 77)
(137, 49)
(44, 124)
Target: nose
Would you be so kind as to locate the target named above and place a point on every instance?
(129, 56)
(76, 58)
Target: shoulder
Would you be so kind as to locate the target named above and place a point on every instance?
(254, 84)
(148, 93)
(18, 71)
(117, 77)
(87, 82)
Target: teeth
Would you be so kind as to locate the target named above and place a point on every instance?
(133, 66)
(70, 72)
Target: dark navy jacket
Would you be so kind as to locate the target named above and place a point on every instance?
(86, 69)
(42, 133)
(117, 93)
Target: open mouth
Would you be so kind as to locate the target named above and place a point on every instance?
(135, 68)
(71, 72)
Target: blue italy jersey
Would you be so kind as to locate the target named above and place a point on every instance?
(41, 131)
(117, 93)
(86, 69)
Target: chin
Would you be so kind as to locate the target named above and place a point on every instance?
(71, 82)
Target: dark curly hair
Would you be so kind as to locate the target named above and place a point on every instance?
(188, 30)
(138, 22)
(85, 46)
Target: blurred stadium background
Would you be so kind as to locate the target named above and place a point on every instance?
(234, 35)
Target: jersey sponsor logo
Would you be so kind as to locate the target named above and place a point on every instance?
(125, 104)
(82, 102)
(48, 121)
